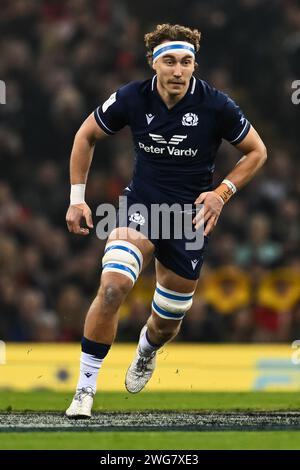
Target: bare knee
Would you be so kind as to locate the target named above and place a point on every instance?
(113, 293)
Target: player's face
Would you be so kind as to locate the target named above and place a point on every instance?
(174, 72)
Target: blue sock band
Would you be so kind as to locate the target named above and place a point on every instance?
(98, 350)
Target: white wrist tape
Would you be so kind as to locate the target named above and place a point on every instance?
(77, 194)
(230, 185)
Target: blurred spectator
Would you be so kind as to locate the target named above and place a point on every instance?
(71, 309)
(260, 248)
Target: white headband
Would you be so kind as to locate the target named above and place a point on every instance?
(173, 46)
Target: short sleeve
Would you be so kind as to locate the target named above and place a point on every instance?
(234, 125)
(111, 116)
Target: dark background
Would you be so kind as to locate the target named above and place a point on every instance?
(60, 60)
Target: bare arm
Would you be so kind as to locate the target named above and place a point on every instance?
(83, 149)
(80, 162)
(255, 155)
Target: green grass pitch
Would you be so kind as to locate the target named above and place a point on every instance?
(57, 401)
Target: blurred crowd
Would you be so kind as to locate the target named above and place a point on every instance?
(60, 60)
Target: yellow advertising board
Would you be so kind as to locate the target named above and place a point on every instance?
(180, 367)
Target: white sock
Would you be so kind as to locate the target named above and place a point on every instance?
(145, 347)
(89, 369)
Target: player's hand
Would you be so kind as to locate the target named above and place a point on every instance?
(210, 211)
(73, 218)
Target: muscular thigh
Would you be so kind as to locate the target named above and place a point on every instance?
(173, 281)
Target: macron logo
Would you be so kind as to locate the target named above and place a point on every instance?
(194, 263)
(149, 118)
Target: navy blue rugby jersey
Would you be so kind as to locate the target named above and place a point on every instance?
(175, 149)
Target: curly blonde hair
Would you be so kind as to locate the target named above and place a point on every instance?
(170, 32)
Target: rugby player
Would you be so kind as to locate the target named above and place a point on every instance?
(177, 123)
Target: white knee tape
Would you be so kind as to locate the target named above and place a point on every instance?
(171, 305)
(124, 258)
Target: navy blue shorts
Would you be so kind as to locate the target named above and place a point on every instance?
(184, 255)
